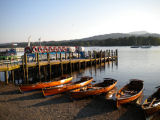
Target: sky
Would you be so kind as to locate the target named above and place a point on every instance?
(75, 19)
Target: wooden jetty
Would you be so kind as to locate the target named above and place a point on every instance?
(48, 68)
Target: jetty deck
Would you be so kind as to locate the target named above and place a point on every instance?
(48, 66)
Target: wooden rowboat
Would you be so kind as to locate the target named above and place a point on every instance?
(95, 89)
(67, 87)
(41, 85)
(129, 92)
(152, 104)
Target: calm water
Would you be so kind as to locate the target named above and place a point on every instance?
(139, 63)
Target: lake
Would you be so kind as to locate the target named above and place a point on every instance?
(133, 63)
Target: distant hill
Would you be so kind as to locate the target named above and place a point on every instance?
(113, 39)
(120, 35)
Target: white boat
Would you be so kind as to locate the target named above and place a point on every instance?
(146, 46)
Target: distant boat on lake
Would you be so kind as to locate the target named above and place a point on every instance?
(146, 46)
(134, 46)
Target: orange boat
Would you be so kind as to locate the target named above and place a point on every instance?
(41, 85)
(152, 104)
(129, 92)
(64, 88)
(95, 89)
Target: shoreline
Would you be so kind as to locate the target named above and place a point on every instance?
(32, 105)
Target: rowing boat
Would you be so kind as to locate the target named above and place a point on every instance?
(40, 85)
(95, 89)
(129, 92)
(67, 87)
(152, 104)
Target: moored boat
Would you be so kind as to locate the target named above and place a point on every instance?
(129, 92)
(40, 85)
(67, 87)
(152, 104)
(95, 89)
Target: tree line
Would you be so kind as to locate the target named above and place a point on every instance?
(126, 41)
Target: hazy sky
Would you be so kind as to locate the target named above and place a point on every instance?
(73, 19)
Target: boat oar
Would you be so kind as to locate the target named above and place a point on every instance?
(152, 102)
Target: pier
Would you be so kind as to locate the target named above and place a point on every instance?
(27, 70)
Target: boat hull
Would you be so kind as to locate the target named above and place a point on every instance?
(65, 88)
(129, 92)
(152, 104)
(44, 85)
(128, 99)
(80, 94)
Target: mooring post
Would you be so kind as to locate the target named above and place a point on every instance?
(39, 67)
(69, 55)
(90, 57)
(112, 55)
(60, 56)
(78, 54)
(100, 56)
(50, 67)
(61, 68)
(70, 66)
(116, 54)
(108, 55)
(12, 72)
(6, 77)
(24, 73)
(95, 57)
(26, 66)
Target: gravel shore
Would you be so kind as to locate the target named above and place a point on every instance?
(33, 106)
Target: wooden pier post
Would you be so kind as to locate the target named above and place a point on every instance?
(112, 55)
(116, 54)
(78, 55)
(6, 77)
(24, 73)
(61, 68)
(26, 66)
(12, 72)
(90, 57)
(50, 67)
(70, 66)
(104, 53)
(60, 56)
(95, 57)
(39, 67)
(100, 56)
